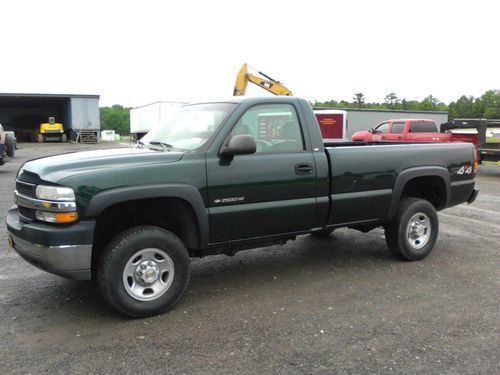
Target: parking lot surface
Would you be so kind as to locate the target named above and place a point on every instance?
(343, 304)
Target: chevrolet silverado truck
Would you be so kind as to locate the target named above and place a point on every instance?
(215, 179)
(412, 130)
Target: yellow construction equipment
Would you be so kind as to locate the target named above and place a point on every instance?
(51, 130)
(267, 83)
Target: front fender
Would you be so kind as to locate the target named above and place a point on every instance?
(188, 193)
(362, 136)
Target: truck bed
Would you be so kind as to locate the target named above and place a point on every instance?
(365, 175)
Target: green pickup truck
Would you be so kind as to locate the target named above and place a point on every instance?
(220, 177)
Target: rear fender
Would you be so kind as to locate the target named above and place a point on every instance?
(409, 174)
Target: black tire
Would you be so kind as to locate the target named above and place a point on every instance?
(123, 249)
(10, 145)
(323, 233)
(413, 243)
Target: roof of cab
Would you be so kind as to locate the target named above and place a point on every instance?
(249, 99)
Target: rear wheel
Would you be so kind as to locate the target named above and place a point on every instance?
(413, 231)
(143, 271)
(64, 138)
(10, 145)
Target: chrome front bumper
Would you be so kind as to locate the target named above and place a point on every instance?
(70, 261)
(62, 250)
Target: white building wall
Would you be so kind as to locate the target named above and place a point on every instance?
(85, 113)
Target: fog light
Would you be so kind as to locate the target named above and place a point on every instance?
(56, 217)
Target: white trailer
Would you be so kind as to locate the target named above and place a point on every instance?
(333, 124)
(150, 116)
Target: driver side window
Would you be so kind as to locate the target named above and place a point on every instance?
(382, 128)
(275, 127)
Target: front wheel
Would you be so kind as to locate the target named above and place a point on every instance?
(413, 231)
(143, 271)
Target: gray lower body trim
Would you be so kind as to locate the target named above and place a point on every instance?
(69, 261)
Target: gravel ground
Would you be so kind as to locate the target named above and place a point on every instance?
(342, 304)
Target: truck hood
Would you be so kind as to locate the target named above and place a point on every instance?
(55, 168)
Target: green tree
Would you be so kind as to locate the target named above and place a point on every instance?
(488, 105)
(391, 100)
(431, 103)
(115, 118)
(462, 108)
(359, 99)
(410, 105)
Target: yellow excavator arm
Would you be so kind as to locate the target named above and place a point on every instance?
(267, 83)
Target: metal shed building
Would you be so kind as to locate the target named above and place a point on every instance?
(364, 119)
(23, 113)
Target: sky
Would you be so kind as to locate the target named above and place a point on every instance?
(135, 53)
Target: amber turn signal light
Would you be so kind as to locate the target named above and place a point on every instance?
(57, 217)
(66, 217)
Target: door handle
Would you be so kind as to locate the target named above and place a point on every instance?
(303, 168)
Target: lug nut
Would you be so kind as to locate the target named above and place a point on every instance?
(143, 266)
(150, 264)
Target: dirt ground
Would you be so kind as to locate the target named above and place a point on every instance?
(343, 305)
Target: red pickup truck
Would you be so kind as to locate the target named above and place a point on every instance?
(412, 130)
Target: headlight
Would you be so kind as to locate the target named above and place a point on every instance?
(55, 193)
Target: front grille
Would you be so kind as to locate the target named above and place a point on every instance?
(26, 189)
(27, 214)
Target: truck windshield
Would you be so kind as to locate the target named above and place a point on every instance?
(189, 127)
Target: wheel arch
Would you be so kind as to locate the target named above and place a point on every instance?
(188, 195)
(419, 182)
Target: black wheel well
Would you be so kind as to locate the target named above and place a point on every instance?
(430, 188)
(173, 214)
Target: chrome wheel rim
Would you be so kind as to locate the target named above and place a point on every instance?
(419, 230)
(148, 274)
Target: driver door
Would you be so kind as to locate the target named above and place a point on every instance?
(270, 192)
(380, 133)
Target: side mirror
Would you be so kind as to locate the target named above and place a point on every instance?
(242, 144)
(372, 131)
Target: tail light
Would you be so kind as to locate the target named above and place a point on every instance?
(475, 164)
